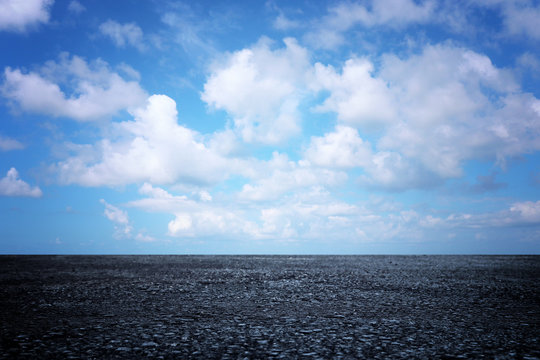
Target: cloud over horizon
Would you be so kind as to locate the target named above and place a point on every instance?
(340, 126)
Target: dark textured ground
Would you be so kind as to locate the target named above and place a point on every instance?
(270, 307)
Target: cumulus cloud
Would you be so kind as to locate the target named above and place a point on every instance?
(261, 89)
(123, 34)
(12, 185)
(433, 111)
(299, 215)
(454, 105)
(312, 212)
(72, 88)
(281, 176)
(7, 144)
(198, 216)
(342, 148)
(19, 16)
(152, 148)
(356, 95)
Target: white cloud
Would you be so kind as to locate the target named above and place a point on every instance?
(151, 148)
(123, 34)
(7, 144)
(300, 215)
(181, 225)
(90, 91)
(346, 15)
(356, 95)
(282, 22)
(122, 227)
(17, 15)
(281, 176)
(522, 19)
(454, 105)
(261, 89)
(76, 7)
(527, 211)
(199, 216)
(432, 112)
(529, 61)
(342, 148)
(129, 71)
(144, 238)
(11, 185)
(311, 213)
(115, 214)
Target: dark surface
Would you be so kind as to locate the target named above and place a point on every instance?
(270, 307)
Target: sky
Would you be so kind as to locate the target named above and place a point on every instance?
(277, 127)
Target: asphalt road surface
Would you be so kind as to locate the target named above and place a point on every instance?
(237, 307)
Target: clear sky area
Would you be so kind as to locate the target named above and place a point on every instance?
(270, 127)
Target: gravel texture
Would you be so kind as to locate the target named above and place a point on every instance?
(236, 307)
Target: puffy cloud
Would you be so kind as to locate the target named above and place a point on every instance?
(199, 216)
(299, 215)
(432, 111)
(261, 89)
(342, 148)
(454, 105)
(16, 15)
(7, 144)
(11, 185)
(91, 91)
(356, 95)
(123, 34)
(151, 148)
(282, 176)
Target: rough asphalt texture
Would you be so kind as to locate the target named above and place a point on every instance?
(236, 307)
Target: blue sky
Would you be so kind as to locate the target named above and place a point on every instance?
(354, 127)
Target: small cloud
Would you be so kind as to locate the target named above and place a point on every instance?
(7, 144)
(205, 196)
(11, 185)
(19, 15)
(181, 225)
(76, 7)
(283, 23)
(144, 238)
(123, 34)
(119, 217)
